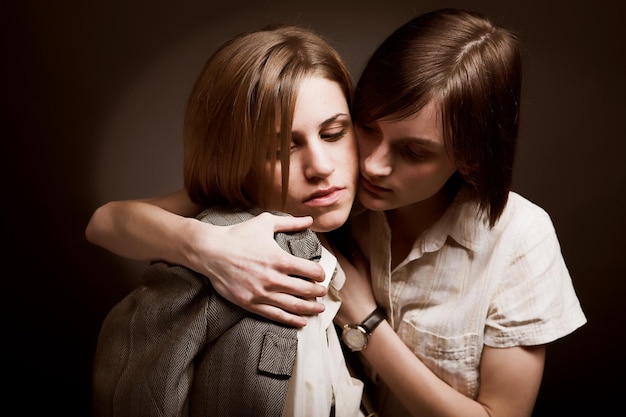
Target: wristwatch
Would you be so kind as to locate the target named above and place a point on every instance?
(355, 336)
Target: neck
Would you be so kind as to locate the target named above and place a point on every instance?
(409, 222)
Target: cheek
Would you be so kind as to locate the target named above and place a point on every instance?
(438, 170)
(350, 156)
(363, 149)
(429, 178)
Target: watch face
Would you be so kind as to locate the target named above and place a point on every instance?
(354, 338)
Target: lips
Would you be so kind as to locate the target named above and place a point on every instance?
(372, 188)
(324, 197)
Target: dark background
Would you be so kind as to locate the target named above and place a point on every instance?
(93, 96)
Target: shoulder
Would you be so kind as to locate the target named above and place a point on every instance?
(304, 243)
(161, 276)
(523, 218)
(518, 204)
(522, 224)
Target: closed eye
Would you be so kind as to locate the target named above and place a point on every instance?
(415, 155)
(366, 128)
(334, 136)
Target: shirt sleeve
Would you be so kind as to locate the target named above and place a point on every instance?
(144, 359)
(534, 302)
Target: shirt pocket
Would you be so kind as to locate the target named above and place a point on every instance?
(453, 358)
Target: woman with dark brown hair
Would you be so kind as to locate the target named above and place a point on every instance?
(469, 274)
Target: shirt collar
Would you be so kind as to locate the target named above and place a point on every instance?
(463, 222)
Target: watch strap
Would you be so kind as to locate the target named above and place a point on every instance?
(373, 320)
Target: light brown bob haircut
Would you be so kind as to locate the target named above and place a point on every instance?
(230, 123)
(472, 69)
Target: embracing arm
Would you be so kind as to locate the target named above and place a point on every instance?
(157, 228)
(243, 261)
(510, 378)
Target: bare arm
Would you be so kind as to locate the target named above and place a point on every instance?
(243, 261)
(145, 230)
(510, 378)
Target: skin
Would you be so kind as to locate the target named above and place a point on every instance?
(323, 163)
(404, 166)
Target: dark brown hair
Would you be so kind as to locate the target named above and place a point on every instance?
(472, 70)
(230, 123)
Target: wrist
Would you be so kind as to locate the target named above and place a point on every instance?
(356, 335)
(192, 237)
(356, 315)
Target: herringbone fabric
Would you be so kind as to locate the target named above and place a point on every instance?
(174, 347)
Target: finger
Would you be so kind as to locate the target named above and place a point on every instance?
(279, 315)
(303, 289)
(294, 286)
(289, 223)
(304, 268)
(268, 304)
(290, 264)
(295, 305)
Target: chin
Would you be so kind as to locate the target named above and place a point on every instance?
(330, 221)
(374, 204)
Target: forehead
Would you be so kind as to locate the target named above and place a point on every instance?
(426, 123)
(318, 99)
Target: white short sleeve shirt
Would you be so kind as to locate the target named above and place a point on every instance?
(463, 286)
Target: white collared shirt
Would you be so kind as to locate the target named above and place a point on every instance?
(464, 285)
(321, 378)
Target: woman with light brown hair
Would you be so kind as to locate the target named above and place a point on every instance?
(267, 129)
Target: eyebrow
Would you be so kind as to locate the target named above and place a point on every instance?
(333, 118)
(420, 141)
(328, 121)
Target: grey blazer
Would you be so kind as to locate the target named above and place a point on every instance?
(174, 347)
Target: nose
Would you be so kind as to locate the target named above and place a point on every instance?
(375, 159)
(319, 162)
